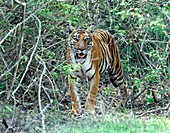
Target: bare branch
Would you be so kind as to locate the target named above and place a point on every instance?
(20, 45)
(39, 94)
(31, 57)
(155, 110)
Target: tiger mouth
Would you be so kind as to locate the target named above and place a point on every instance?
(81, 56)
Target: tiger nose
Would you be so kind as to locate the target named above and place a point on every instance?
(82, 47)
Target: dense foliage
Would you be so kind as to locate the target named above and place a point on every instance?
(33, 42)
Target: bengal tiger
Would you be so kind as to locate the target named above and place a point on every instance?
(95, 52)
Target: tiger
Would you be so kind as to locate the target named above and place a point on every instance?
(95, 53)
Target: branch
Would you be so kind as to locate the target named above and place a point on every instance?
(6, 36)
(20, 3)
(39, 94)
(144, 56)
(20, 46)
(35, 117)
(31, 57)
(6, 72)
(14, 28)
(152, 111)
(139, 94)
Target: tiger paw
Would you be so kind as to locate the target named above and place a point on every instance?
(89, 109)
(74, 112)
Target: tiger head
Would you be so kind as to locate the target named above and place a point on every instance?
(80, 43)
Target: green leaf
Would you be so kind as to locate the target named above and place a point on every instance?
(2, 85)
(150, 99)
(9, 109)
(55, 75)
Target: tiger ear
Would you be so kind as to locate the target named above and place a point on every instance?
(92, 28)
(69, 29)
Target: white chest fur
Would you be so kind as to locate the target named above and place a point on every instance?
(87, 69)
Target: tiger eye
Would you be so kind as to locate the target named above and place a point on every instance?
(75, 39)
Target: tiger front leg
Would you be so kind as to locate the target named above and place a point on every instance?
(91, 99)
(75, 101)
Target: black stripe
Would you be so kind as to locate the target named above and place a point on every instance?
(77, 71)
(115, 84)
(119, 70)
(102, 59)
(104, 65)
(106, 34)
(101, 66)
(120, 78)
(110, 71)
(112, 79)
(119, 84)
(117, 66)
(91, 77)
(103, 37)
(83, 61)
(73, 77)
(89, 68)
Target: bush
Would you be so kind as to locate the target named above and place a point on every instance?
(33, 42)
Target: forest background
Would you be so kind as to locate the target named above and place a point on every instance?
(33, 70)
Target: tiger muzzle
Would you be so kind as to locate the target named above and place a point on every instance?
(81, 54)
